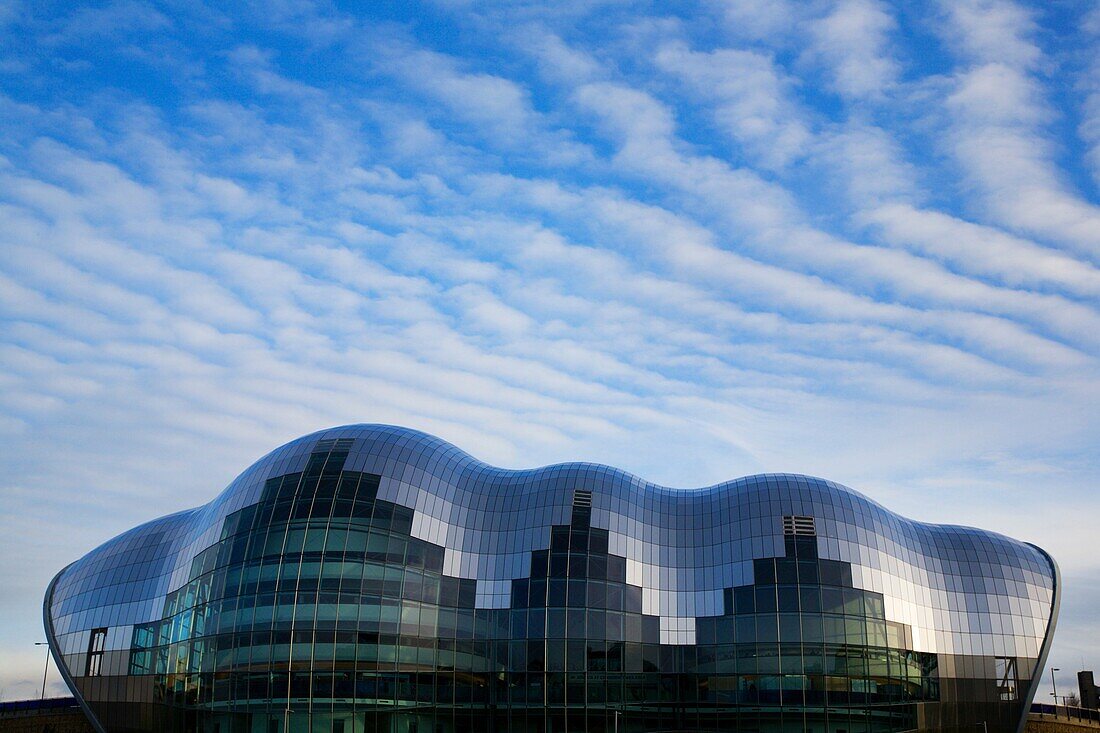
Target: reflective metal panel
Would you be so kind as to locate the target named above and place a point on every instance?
(376, 578)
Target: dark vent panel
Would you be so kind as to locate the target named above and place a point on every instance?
(796, 526)
(341, 444)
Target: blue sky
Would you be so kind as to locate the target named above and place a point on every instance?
(694, 240)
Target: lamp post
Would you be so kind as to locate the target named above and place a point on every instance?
(1054, 685)
(45, 669)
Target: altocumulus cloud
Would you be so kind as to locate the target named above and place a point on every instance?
(854, 239)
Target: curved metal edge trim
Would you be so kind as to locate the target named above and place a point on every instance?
(58, 659)
(1044, 650)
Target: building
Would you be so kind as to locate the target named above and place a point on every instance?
(47, 715)
(374, 578)
(1086, 685)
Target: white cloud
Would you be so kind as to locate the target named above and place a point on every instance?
(648, 146)
(1089, 128)
(750, 99)
(996, 115)
(112, 20)
(481, 310)
(992, 31)
(557, 60)
(995, 95)
(869, 163)
(765, 21)
(255, 65)
(996, 137)
(495, 108)
(984, 251)
(853, 41)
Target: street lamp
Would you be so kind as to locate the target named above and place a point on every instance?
(47, 667)
(1054, 685)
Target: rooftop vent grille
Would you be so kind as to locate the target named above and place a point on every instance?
(795, 526)
(582, 498)
(323, 446)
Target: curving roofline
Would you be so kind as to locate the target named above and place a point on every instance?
(1048, 639)
(58, 658)
(381, 433)
(393, 434)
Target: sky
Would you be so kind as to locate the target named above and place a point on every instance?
(695, 240)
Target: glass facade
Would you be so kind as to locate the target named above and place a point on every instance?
(373, 578)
